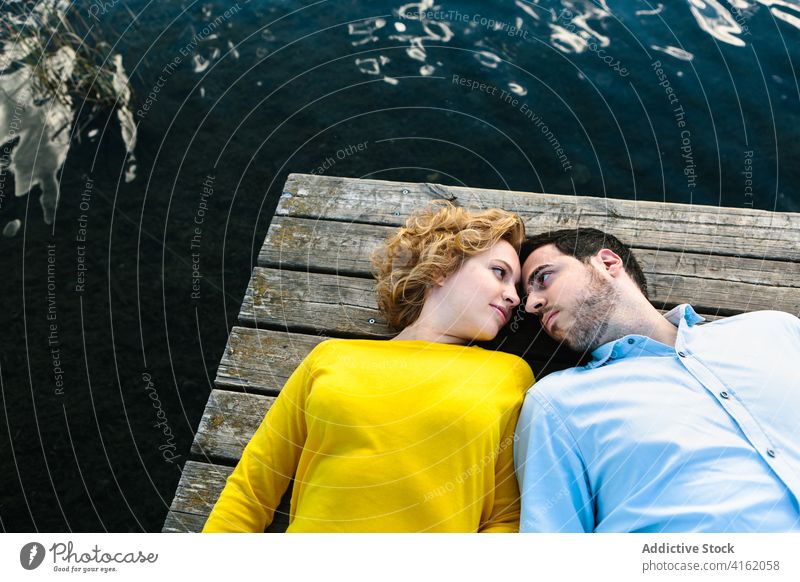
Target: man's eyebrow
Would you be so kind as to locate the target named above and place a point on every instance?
(538, 270)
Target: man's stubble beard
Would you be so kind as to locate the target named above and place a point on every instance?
(591, 321)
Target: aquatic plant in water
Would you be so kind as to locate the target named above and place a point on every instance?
(50, 59)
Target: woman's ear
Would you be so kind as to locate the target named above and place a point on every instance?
(437, 278)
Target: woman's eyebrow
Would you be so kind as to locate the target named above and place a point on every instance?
(507, 266)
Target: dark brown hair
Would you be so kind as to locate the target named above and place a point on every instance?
(583, 244)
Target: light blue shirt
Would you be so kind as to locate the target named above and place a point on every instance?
(700, 437)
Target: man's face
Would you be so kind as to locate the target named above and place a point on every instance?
(572, 299)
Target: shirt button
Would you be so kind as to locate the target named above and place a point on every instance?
(724, 394)
(682, 354)
(771, 453)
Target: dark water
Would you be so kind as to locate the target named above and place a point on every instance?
(280, 87)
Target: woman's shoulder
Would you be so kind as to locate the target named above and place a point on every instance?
(329, 346)
(503, 362)
(510, 366)
(336, 347)
(506, 358)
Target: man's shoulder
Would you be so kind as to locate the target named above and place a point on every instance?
(767, 321)
(556, 384)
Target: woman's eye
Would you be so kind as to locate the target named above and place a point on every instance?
(500, 271)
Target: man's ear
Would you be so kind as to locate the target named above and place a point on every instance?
(610, 261)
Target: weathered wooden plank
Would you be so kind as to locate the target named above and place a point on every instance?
(760, 272)
(726, 298)
(337, 305)
(198, 491)
(656, 225)
(228, 422)
(225, 429)
(177, 522)
(322, 245)
(344, 248)
(260, 360)
(312, 302)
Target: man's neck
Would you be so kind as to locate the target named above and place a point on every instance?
(662, 330)
(644, 319)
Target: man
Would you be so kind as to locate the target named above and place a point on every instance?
(672, 426)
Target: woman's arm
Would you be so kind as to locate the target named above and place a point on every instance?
(505, 513)
(268, 463)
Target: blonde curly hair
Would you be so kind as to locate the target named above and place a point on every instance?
(433, 244)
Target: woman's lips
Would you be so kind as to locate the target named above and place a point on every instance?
(502, 312)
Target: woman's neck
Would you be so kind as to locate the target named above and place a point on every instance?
(419, 331)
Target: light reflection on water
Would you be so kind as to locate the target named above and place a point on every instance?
(35, 126)
(572, 27)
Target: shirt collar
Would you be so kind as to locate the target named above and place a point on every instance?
(621, 347)
(683, 311)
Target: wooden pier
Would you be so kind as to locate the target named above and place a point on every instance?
(313, 281)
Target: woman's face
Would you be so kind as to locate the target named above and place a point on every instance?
(476, 301)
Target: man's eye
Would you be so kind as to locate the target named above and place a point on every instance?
(541, 280)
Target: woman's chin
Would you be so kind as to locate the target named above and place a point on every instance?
(486, 335)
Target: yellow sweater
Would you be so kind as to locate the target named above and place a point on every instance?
(385, 436)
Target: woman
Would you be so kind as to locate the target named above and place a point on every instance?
(411, 434)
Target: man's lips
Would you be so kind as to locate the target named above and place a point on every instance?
(547, 320)
(503, 312)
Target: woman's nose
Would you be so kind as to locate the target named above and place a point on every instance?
(511, 296)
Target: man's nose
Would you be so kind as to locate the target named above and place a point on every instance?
(534, 303)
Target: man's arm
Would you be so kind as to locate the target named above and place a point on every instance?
(553, 482)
